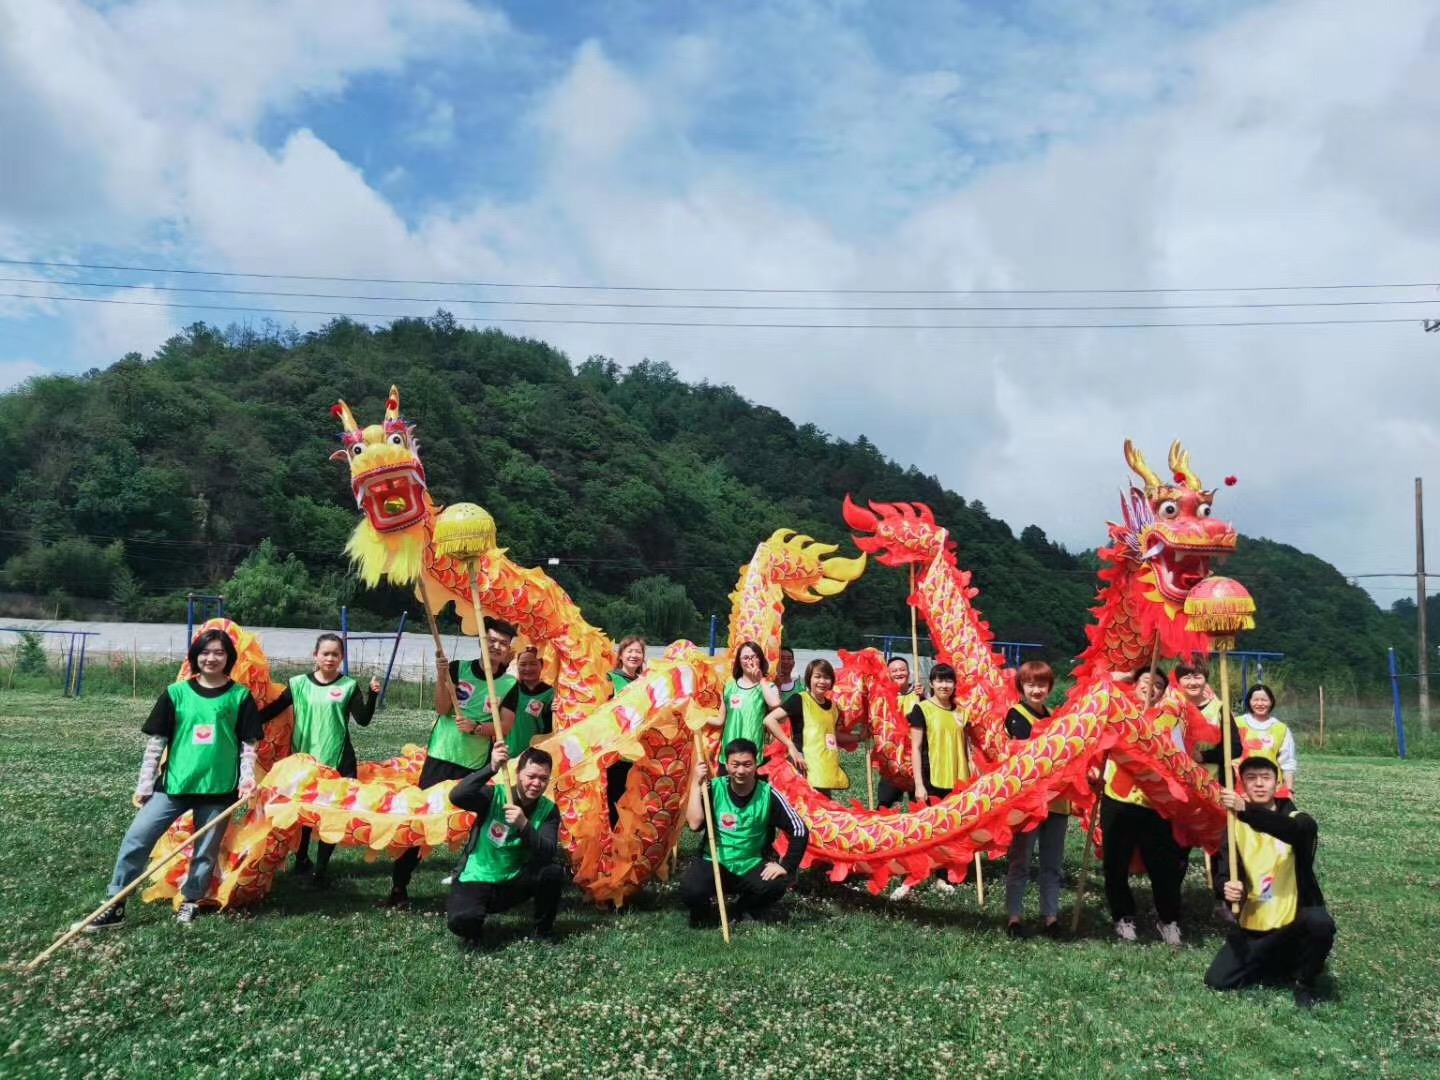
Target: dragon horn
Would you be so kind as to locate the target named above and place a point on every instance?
(857, 517)
(1136, 461)
(1180, 466)
(844, 570)
(392, 404)
(347, 418)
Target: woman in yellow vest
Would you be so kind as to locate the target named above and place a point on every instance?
(813, 742)
(1285, 931)
(1262, 733)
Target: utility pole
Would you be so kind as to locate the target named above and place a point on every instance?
(1424, 668)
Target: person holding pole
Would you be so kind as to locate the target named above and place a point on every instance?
(749, 697)
(1035, 680)
(747, 814)
(1285, 931)
(510, 855)
(813, 742)
(898, 668)
(208, 727)
(324, 702)
(463, 733)
(630, 654)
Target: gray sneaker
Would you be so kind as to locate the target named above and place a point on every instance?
(187, 913)
(1169, 932)
(1125, 930)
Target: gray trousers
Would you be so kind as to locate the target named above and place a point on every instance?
(1051, 834)
(157, 815)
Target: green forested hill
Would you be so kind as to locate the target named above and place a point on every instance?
(153, 476)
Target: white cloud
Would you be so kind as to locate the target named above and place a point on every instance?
(15, 372)
(140, 322)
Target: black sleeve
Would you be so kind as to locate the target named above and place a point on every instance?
(545, 722)
(278, 706)
(1016, 725)
(795, 711)
(917, 717)
(511, 700)
(784, 818)
(249, 725)
(1297, 830)
(455, 673)
(1215, 755)
(161, 720)
(544, 841)
(361, 706)
(474, 793)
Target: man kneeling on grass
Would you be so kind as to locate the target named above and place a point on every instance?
(747, 812)
(1285, 932)
(510, 856)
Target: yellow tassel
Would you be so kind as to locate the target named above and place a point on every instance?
(464, 531)
(1219, 623)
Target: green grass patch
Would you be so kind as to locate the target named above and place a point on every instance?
(324, 984)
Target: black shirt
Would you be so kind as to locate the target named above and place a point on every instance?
(249, 727)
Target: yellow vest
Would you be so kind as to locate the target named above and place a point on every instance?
(1214, 712)
(1272, 895)
(945, 746)
(1269, 741)
(821, 749)
(908, 702)
(1057, 806)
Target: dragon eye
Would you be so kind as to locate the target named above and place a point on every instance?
(396, 439)
(1168, 509)
(1203, 510)
(357, 449)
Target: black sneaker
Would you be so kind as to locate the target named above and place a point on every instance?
(1306, 996)
(1016, 930)
(187, 913)
(700, 919)
(109, 921)
(544, 937)
(398, 898)
(1054, 931)
(774, 915)
(320, 880)
(303, 866)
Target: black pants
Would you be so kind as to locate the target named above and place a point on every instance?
(1294, 952)
(697, 889)
(348, 768)
(1128, 827)
(617, 775)
(434, 771)
(471, 901)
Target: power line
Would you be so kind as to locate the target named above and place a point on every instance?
(632, 305)
(699, 324)
(711, 288)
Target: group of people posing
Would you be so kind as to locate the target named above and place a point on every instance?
(202, 737)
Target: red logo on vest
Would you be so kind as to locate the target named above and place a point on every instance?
(464, 692)
(336, 695)
(535, 707)
(728, 822)
(735, 701)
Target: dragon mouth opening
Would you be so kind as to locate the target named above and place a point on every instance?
(1179, 571)
(391, 497)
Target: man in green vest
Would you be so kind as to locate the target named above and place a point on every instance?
(747, 814)
(463, 733)
(1285, 931)
(510, 856)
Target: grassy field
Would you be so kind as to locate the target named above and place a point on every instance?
(324, 984)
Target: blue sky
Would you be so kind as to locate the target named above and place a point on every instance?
(831, 146)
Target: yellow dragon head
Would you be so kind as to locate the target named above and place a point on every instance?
(388, 482)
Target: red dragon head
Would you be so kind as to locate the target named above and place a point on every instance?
(386, 476)
(899, 533)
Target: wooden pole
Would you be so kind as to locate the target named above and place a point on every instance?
(134, 668)
(420, 703)
(979, 880)
(714, 852)
(1322, 718)
(120, 897)
(1086, 857)
(870, 772)
(441, 673)
(1423, 667)
(494, 702)
(1222, 645)
(914, 636)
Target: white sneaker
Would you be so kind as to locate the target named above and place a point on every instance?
(900, 893)
(187, 913)
(1125, 929)
(448, 879)
(1169, 932)
(944, 886)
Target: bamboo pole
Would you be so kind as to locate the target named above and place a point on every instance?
(494, 702)
(870, 771)
(714, 851)
(1222, 645)
(914, 636)
(979, 880)
(1087, 855)
(120, 897)
(134, 668)
(1322, 718)
(441, 672)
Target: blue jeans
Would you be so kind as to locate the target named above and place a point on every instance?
(157, 815)
(1052, 856)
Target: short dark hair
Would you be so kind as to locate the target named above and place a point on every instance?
(500, 626)
(1195, 665)
(942, 671)
(1159, 672)
(821, 665)
(533, 755)
(787, 648)
(1257, 688)
(205, 638)
(901, 659)
(741, 746)
(327, 636)
(1035, 671)
(737, 670)
(1258, 762)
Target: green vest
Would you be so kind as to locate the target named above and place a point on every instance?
(205, 746)
(447, 742)
(620, 680)
(498, 853)
(786, 695)
(528, 712)
(320, 717)
(740, 831)
(744, 714)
